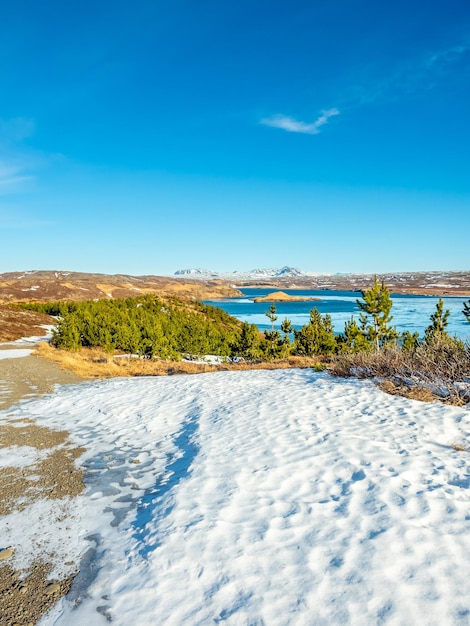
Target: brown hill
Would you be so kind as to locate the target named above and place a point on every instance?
(15, 323)
(48, 286)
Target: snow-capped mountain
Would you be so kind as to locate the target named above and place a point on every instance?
(285, 271)
(289, 271)
(197, 273)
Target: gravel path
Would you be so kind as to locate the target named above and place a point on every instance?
(26, 595)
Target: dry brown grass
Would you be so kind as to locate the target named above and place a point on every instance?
(95, 363)
(423, 394)
(459, 447)
(436, 371)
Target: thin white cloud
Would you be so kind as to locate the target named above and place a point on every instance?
(448, 56)
(13, 177)
(410, 78)
(292, 125)
(16, 160)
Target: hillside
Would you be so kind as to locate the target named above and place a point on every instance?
(15, 324)
(48, 286)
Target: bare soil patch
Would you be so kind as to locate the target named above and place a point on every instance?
(30, 376)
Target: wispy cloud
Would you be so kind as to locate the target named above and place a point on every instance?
(12, 179)
(292, 125)
(408, 79)
(448, 56)
(16, 160)
(14, 174)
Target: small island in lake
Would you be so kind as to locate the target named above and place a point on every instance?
(280, 296)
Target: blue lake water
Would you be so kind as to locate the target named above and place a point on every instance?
(409, 312)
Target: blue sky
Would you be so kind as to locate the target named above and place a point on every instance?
(147, 137)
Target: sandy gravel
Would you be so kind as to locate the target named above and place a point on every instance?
(28, 377)
(26, 595)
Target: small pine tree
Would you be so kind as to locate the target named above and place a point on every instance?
(466, 310)
(354, 338)
(316, 337)
(66, 335)
(272, 337)
(287, 329)
(247, 345)
(376, 305)
(409, 341)
(271, 315)
(439, 321)
(272, 344)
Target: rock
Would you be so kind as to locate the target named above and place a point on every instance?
(6, 553)
(52, 588)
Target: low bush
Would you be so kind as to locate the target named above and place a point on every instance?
(440, 366)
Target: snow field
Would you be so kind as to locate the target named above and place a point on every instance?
(262, 498)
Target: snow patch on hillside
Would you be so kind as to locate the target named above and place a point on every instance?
(285, 271)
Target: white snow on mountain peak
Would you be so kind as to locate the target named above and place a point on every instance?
(285, 271)
(196, 273)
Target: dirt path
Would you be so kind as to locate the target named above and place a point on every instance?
(26, 595)
(30, 376)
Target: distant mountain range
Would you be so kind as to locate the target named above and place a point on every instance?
(440, 283)
(203, 274)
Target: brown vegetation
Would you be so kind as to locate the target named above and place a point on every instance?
(436, 371)
(96, 363)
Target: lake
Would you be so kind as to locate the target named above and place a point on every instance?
(409, 312)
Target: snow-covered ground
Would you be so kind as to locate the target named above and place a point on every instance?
(14, 353)
(35, 339)
(255, 498)
(7, 352)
